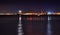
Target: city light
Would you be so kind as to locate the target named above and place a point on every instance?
(20, 11)
(49, 13)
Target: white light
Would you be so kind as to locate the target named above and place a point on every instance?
(19, 28)
(20, 18)
(19, 24)
(20, 11)
(49, 32)
(49, 18)
(49, 12)
(20, 33)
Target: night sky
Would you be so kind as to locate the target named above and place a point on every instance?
(24, 5)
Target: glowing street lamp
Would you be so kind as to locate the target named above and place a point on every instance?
(20, 12)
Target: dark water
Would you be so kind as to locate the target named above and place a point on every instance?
(8, 25)
(32, 25)
(40, 25)
(55, 22)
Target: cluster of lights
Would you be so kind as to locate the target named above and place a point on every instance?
(22, 13)
(42, 13)
(8, 13)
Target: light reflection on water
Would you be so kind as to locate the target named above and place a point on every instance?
(49, 32)
(20, 27)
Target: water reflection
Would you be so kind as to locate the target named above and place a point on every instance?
(49, 26)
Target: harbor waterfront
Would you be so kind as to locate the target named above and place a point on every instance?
(30, 23)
